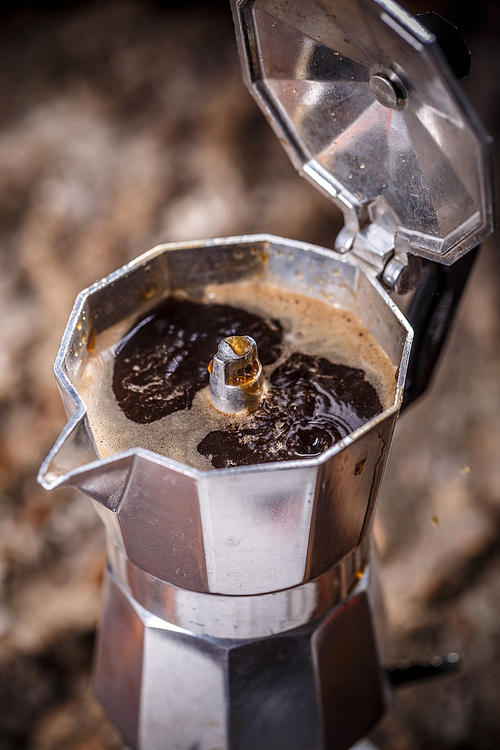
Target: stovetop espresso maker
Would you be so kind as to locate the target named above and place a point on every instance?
(241, 607)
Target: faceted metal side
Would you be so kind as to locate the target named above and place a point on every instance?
(118, 661)
(244, 531)
(349, 677)
(384, 432)
(289, 526)
(264, 532)
(347, 490)
(273, 704)
(183, 698)
(160, 519)
(317, 687)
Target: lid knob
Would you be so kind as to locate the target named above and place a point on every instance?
(389, 91)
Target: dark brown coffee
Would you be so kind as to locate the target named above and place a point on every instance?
(163, 360)
(317, 358)
(310, 403)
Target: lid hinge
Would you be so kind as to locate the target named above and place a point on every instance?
(374, 246)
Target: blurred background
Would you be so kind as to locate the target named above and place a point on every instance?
(124, 124)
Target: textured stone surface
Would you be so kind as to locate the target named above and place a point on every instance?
(124, 124)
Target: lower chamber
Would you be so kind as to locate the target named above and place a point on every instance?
(297, 669)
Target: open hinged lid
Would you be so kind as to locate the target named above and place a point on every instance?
(363, 99)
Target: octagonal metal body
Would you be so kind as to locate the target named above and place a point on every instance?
(316, 686)
(244, 530)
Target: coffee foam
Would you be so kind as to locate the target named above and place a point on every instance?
(310, 326)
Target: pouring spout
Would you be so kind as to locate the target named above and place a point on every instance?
(74, 461)
(73, 448)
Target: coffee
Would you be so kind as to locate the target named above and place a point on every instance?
(162, 362)
(325, 376)
(310, 405)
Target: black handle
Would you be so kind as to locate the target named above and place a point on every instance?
(451, 41)
(431, 314)
(436, 299)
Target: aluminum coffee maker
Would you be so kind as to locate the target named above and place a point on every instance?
(241, 607)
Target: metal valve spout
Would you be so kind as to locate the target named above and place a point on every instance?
(236, 377)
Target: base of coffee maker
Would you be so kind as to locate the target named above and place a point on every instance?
(181, 683)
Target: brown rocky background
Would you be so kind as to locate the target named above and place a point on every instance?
(123, 124)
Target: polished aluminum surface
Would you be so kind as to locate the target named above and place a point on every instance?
(362, 98)
(243, 530)
(318, 686)
(256, 616)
